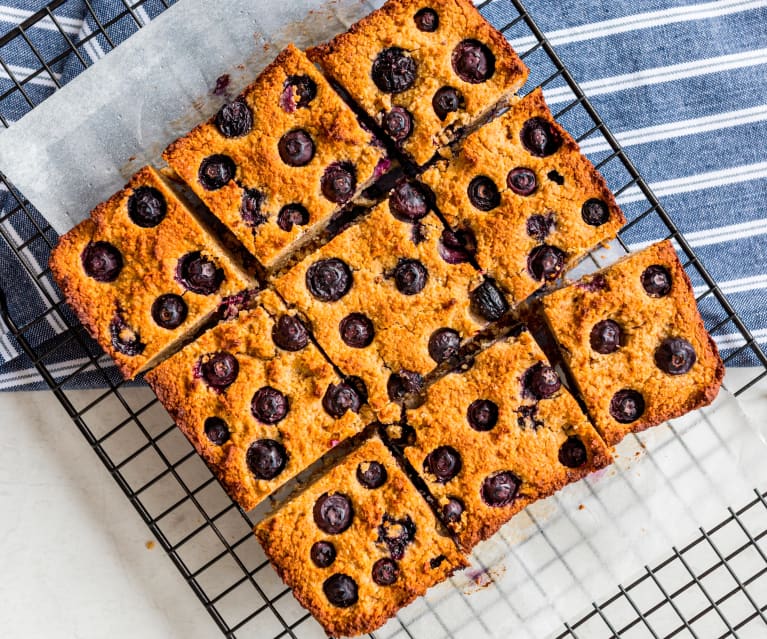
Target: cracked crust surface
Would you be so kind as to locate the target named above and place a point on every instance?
(337, 137)
(150, 258)
(306, 432)
(288, 535)
(528, 447)
(403, 324)
(493, 151)
(617, 293)
(348, 59)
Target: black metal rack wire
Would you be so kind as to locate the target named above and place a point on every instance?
(209, 538)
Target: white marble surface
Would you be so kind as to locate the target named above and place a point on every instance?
(75, 563)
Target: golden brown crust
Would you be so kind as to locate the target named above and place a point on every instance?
(528, 446)
(337, 137)
(348, 59)
(288, 535)
(646, 321)
(493, 151)
(150, 257)
(306, 432)
(403, 323)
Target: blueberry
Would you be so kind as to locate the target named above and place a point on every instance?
(656, 281)
(426, 20)
(436, 562)
(539, 137)
(235, 119)
(540, 381)
(453, 510)
(266, 458)
(606, 337)
(396, 534)
(447, 100)
(371, 474)
(456, 247)
(443, 344)
(269, 406)
(297, 92)
(291, 214)
(473, 62)
(124, 339)
(333, 513)
(289, 333)
(339, 182)
(482, 415)
(199, 274)
(385, 571)
(296, 148)
(410, 201)
(527, 417)
(539, 226)
(404, 383)
(522, 181)
(443, 463)
(219, 370)
(573, 452)
(483, 193)
(545, 262)
(357, 330)
(147, 207)
(488, 302)
(329, 280)
(169, 311)
(556, 177)
(398, 123)
(216, 430)
(595, 212)
(500, 489)
(250, 207)
(340, 398)
(340, 590)
(323, 553)
(627, 405)
(393, 70)
(675, 356)
(102, 261)
(410, 276)
(216, 171)
(593, 283)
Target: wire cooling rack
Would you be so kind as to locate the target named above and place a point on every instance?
(209, 538)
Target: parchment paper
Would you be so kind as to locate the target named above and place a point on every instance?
(82, 144)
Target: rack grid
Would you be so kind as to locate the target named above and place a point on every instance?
(209, 538)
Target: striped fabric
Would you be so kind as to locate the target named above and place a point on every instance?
(682, 84)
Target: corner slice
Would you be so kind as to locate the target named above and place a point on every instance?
(257, 400)
(635, 343)
(424, 71)
(359, 543)
(535, 204)
(499, 436)
(278, 161)
(142, 273)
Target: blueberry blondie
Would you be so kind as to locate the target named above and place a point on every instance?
(358, 543)
(635, 343)
(143, 273)
(275, 164)
(257, 400)
(425, 71)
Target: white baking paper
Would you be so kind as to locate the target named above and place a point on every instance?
(83, 143)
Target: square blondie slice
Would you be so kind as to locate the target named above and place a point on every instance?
(635, 343)
(275, 164)
(424, 71)
(359, 543)
(389, 298)
(143, 273)
(534, 204)
(257, 400)
(499, 436)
